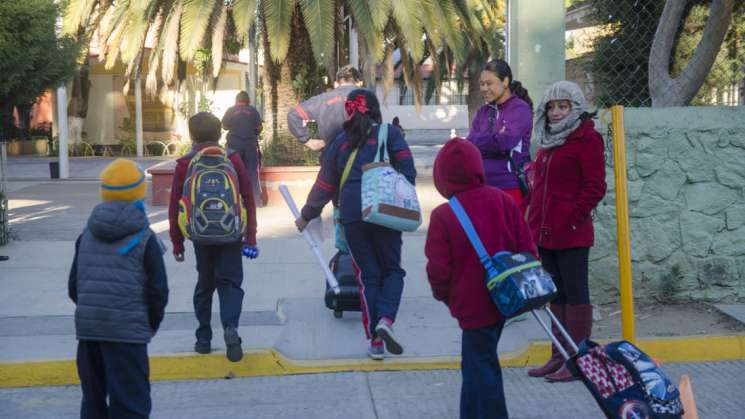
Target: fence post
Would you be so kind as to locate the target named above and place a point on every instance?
(622, 224)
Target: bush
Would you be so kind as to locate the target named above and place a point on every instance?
(287, 151)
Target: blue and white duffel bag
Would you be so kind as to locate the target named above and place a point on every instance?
(388, 198)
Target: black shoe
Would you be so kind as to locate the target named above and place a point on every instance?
(202, 347)
(2, 258)
(234, 351)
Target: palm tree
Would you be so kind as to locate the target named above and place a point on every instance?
(181, 29)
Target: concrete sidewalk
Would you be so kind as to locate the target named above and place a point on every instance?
(376, 395)
(285, 323)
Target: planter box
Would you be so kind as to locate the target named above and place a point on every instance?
(161, 181)
(37, 147)
(299, 180)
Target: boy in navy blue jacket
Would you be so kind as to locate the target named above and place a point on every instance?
(119, 285)
(376, 250)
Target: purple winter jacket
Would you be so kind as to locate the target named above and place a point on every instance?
(508, 131)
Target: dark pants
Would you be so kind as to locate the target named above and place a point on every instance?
(568, 267)
(119, 371)
(250, 157)
(376, 252)
(221, 268)
(482, 392)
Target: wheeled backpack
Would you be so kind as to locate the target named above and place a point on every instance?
(625, 382)
(348, 298)
(211, 211)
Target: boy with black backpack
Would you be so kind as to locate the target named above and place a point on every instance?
(212, 205)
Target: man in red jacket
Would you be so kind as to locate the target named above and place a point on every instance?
(457, 277)
(219, 266)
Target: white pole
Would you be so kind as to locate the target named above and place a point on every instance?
(330, 278)
(138, 116)
(354, 52)
(64, 162)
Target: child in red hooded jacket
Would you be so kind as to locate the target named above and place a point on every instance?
(457, 277)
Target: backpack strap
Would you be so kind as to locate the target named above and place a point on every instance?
(348, 168)
(382, 154)
(473, 237)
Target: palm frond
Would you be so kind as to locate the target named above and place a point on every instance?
(408, 16)
(153, 61)
(366, 27)
(76, 14)
(410, 77)
(170, 40)
(319, 20)
(380, 11)
(218, 37)
(114, 43)
(244, 15)
(194, 21)
(388, 71)
(139, 18)
(444, 14)
(278, 16)
(112, 21)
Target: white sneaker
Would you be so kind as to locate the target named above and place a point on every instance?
(376, 352)
(384, 330)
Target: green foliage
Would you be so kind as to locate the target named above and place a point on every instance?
(287, 151)
(307, 83)
(620, 64)
(32, 59)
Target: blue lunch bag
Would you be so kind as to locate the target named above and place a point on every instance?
(516, 281)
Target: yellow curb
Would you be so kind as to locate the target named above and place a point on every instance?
(260, 363)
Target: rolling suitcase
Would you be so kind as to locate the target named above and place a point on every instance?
(348, 299)
(625, 382)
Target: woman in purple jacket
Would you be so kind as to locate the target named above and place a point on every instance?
(501, 128)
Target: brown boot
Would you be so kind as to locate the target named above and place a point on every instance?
(556, 360)
(579, 326)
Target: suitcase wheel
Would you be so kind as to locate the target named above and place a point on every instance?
(338, 314)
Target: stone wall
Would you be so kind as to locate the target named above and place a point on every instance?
(686, 172)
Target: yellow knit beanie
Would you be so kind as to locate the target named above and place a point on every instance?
(123, 180)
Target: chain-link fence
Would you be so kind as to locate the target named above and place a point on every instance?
(610, 48)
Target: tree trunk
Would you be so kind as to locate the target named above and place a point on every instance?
(474, 99)
(7, 126)
(665, 90)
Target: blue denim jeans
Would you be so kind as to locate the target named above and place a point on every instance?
(482, 392)
(376, 252)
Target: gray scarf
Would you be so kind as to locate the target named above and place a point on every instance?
(553, 135)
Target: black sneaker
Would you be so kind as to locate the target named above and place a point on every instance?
(234, 352)
(203, 347)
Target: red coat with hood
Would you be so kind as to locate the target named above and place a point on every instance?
(568, 183)
(453, 268)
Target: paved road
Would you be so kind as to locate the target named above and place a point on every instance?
(379, 395)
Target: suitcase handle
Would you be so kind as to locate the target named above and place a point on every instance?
(554, 339)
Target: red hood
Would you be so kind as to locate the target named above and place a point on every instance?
(458, 167)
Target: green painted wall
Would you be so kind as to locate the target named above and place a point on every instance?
(536, 43)
(686, 202)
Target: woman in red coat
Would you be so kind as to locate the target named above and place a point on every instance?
(568, 183)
